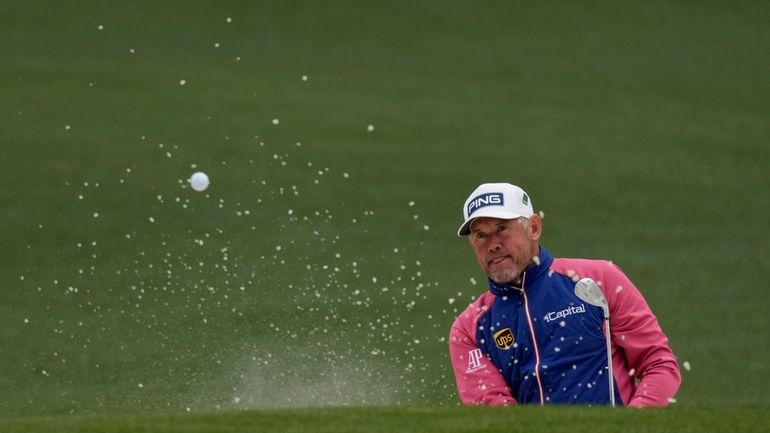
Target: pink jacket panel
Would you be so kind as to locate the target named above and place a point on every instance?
(478, 380)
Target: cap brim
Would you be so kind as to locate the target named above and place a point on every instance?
(465, 228)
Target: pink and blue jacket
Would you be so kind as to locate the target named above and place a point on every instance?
(540, 343)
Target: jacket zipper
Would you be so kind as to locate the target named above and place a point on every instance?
(534, 340)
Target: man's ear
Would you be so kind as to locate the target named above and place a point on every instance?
(535, 227)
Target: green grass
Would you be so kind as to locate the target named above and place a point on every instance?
(414, 419)
(322, 273)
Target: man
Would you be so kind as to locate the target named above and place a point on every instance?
(532, 339)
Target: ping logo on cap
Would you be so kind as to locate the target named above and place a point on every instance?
(488, 199)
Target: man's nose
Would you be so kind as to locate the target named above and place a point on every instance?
(494, 244)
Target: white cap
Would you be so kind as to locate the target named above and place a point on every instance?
(495, 200)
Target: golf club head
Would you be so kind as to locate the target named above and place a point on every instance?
(587, 290)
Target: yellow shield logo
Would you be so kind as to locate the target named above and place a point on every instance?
(503, 339)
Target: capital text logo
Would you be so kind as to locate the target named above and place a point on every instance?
(554, 315)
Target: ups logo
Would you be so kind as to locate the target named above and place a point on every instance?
(503, 339)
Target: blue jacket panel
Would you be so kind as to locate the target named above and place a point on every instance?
(543, 329)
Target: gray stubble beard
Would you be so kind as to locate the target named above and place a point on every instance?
(512, 275)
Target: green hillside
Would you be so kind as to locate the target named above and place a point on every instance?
(321, 266)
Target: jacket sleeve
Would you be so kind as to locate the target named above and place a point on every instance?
(478, 380)
(636, 331)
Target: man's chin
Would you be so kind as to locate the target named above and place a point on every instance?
(507, 278)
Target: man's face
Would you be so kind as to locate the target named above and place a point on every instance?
(504, 248)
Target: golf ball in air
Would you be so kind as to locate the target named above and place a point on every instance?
(199, 181)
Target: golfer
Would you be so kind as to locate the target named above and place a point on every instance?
(532, 339)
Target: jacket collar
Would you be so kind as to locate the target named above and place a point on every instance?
(532, 274)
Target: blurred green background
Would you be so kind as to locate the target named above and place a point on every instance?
(321, 266)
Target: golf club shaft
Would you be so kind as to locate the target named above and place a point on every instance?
(609, 364)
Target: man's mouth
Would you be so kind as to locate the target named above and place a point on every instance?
(497, 260)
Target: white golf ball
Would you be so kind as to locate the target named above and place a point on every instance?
(199, 181)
